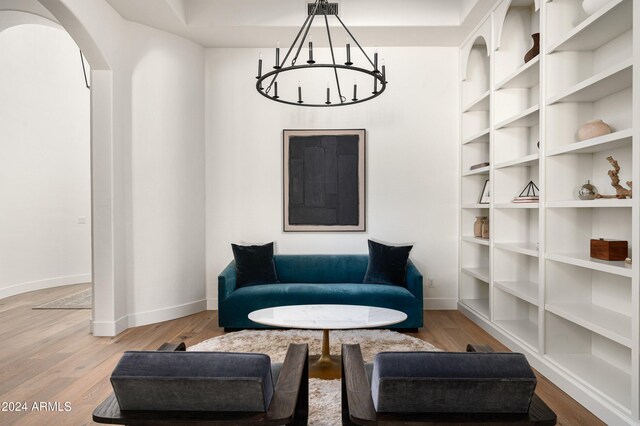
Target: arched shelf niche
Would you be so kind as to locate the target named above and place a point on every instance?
(475, 81)
(475, 89)
(515, 22)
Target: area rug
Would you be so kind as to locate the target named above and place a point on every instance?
(324, 395)
(79, 300)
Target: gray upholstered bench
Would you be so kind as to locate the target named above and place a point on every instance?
(164, 387)
(440, 387)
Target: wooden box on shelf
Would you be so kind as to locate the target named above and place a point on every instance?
(609, 249)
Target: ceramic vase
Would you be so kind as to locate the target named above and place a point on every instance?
(535, 50)
(593, 129)
(477, 226)
(591, 6)
(587, 192)
(485, 228)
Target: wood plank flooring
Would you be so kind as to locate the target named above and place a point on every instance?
(49, 356)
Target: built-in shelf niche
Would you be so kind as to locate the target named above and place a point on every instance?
(472, 188)
(474, 154)
(565, 119)
(514, 145)
(569, 232)
(517, 316)
(475, 257)
(590, 358)
(516, 273)
(510, 181)
(595, 300)
(568, 172)
(474, 293)
(520, 22)
(468, 219)
(569, 27)
(517, 228)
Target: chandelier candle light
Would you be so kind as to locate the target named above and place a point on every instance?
(325, 9)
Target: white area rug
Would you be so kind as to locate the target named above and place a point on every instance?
(79, 300)
(324, 395)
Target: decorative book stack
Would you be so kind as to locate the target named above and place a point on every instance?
(532, 199)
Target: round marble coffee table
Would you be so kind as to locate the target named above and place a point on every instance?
(325, 318)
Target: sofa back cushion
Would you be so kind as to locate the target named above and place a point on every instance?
(321, 268)
(452, 382)
(193, 381)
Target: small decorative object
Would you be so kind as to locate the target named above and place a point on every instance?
(479, 165)
(485, 227)
(477, 226)
(609, 249)
(591, 6)
(628, 260)
(587, 192)
(485, 196)
(528, 195)
(593, 129)
(535, 50)
(621, 192)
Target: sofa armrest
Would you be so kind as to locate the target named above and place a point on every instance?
(227, 281)
(414, 281)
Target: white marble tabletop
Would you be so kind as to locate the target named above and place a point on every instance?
(327, 317)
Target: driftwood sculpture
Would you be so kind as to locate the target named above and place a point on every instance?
(621, 192)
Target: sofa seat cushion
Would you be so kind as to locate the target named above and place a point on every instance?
(446, 382)
(193, 381)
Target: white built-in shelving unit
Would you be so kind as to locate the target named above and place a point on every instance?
(533, 284)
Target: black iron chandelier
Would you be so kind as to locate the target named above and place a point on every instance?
(374, 78)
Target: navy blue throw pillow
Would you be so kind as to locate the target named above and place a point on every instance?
(254, 265)
(387, 264)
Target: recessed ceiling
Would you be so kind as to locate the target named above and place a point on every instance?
(258, 23)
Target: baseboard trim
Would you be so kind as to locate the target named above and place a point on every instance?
(166, 314)
(212, 304)
(439, 304)
(109, 328)
(20, 288)
(599, 405)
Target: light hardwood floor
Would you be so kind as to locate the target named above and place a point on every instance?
(50, 356)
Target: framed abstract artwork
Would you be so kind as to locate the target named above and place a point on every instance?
(324, 180)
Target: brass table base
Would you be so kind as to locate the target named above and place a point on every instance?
(323, 369)
(325, 366)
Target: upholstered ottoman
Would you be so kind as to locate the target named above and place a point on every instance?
(451, 382)
(193, 381)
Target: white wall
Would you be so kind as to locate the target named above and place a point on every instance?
(412, 158)
(44, 161)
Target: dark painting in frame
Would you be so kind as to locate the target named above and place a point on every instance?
(324, 180)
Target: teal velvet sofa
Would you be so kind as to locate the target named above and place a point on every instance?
(318, 279)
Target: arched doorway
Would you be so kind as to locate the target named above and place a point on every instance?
(107, 297)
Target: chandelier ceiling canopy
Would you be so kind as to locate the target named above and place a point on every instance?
(360, 82)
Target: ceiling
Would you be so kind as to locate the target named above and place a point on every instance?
(258, 23)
